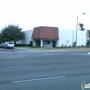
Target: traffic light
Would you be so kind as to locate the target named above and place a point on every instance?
(81, 27)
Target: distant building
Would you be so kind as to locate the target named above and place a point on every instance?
(43, 36)
(53, 37)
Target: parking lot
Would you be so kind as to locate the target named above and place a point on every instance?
(26, 69)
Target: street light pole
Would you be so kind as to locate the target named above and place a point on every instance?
(77, 27)
(72, 38)
(76, 30)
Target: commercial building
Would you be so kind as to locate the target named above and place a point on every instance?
(44, 36)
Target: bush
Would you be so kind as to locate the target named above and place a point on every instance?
(70, 46)
(62, 46)
(74, 44)
(82, 46)
(79, 46)
(29, 45)
(20, 45)
(36, 46)
(65, 46)
(88, 43)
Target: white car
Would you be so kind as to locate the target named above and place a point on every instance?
(8, 45)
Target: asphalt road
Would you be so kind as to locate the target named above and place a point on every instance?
(43, 69)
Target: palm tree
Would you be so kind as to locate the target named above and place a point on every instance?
(81, 27)
(67, 43)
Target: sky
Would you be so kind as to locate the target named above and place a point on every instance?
(32, 13)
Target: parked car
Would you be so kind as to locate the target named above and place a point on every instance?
(1, 45)
(8, 45)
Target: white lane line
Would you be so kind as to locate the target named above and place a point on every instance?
(16, 67)
(56, 51)
(38, 79)
(81, 54)
(52, 54)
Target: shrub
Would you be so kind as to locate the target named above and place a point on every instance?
(65, 46)
(88, 43)
(82, 46)
(70, 46)
(62, 46)
(74, 44)
(20, 45)
(79, 46)
(30, 45)
(36, 46)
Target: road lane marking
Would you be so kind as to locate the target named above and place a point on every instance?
(16, 67)
(38, 79)
(80, 54)
(87, 62)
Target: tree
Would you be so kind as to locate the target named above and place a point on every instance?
(0, 38)
(88, 36)
(12, 33)
(81, 27)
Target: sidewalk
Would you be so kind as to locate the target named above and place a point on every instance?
(56, 49)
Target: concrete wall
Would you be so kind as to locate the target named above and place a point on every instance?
(28, 35)
(70, 35)
(64, 36)
(81, 38)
